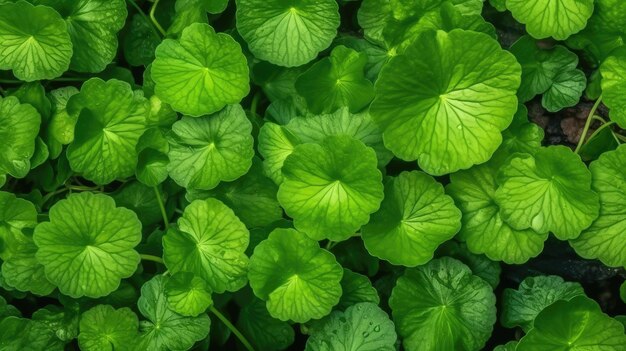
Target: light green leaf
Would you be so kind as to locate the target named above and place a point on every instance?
(34, 41)
(187, 294)
(88, 245)
(548, 192)
(480, 265)
(165, 329)
(63, 321)
(287, 32)
(298, 280)
(152, 160)
(277, 142)
(19, 126)
(363, 327)
(551, 18)
(214, 6)
(23, 272)
(111, 118)
(93, 27)
(372, 17)
(252, 197)
(262, 330)
(520, 307)
(613, 72)
(336, 81)
(201, 72)
(210, 242)
(577, 324)
(140, 199)
(330, 189)
(187, 13)
(15, 215)
(61, 125)
(356, 288)
(606, 238)
(456, 310)
(414, 219)
(428, 105)
(103, 328)
(205, 151)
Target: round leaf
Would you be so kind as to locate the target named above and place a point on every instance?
(548, 192)
(363, 327)
(551, 18)
(210, 242)
(356, 288)
(613, 71)
(111, 118)
(19, 127)
(299, 280)
(188, 294)
(287, 32)
(105, 328)
(15, 215)
(606, 238)
(207, 150)
(201, 72)
(455, 309)
(577, 324)
(34, 41)
(414, 219)
(262, 330)
(330, 189)
(87, 247)
(428, 106)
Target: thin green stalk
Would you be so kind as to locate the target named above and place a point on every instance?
(152, 258)
(10, 81)
(329, 245)
(590, 118)
(601, 128)
(154, 21)
(48, 196)
(620, 137)
(255, 103)
(162, 207)
(232, 328)
(82, 188)
(146, 18)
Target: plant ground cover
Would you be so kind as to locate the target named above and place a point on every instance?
(312, 175)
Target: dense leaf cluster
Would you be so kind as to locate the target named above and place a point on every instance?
(306, 174)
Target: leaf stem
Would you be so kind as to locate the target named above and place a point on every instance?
(588, 124)
(162, 208)
(232, 328)
(255, 103)
(152, 258)
(146, 18)
(620, 137)
(154, 21)
(48, 196)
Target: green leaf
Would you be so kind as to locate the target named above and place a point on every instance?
(19, 126)
(106, 328)
(207, 150)
(34, 41)
(62, 320)
(262, 330)
(210, 242)
(356, 288)
(187, 294)
(18, 334)
(111, 118)
(93, 27)
(165, 329)
(441, 104)
(605, 239)
(7, 310)
(152, 148)
(336, 81)
(287, 32)
(565, 91)
(187, 13)
(61, 125)
(577, 324)
(372, 17)
(330, 189)
(614, 85)
(509, 346)
(363, 327)
(140, 42)
(88, 245)
(201, 72)
(604, 32)
(140, 199)
(277, 142)
(622, 291)
(547, 192)
(298, 280)
(480, 265)
(34, 94)
(414, 219)
(15, 215)
(215, 6)
(456, 310)
(23, 271)
(551, 18)
(520, 307)
(252, 197)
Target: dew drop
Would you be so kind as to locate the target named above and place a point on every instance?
(365, 334)
(537, 221)
(377, 328)
(459, 126)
